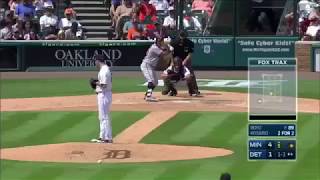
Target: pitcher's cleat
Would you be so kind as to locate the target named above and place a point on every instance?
(99, 140)
(151, 99)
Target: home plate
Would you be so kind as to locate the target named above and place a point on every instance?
(181, 101)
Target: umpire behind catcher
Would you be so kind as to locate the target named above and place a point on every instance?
(183, 49)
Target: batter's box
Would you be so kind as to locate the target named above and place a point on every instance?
(272, 87)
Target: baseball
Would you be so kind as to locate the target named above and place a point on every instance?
(99, 161)
(259, 101)
(271, 93)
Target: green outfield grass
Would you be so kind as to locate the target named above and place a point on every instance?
(68, 87)
(213, 129)
(30, 128)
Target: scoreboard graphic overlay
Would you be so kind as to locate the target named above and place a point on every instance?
(272, 109)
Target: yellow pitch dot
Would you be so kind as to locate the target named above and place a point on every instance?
(291, 145)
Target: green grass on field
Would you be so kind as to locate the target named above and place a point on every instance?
(61, 87)
(67, 87)
(213, 129)
(29, 128)
(229, 130)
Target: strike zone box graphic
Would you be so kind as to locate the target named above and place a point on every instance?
(272, 109)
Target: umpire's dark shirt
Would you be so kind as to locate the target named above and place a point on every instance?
(182, 49)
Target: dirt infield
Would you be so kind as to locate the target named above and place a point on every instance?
(110, 153)
(127, 147)
(211, 101)
(87, 74)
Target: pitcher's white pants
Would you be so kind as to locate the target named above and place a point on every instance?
(104, 102)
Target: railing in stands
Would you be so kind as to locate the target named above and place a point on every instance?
(214, 15)
(282, 27)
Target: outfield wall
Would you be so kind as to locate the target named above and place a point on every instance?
(210, 53)
(308, 55)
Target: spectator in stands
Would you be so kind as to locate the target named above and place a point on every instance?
(160, 5)
(113, 8)
(257, 8)
(25, 9)
(18, 29)
(41, 5)
(290, 23)
(203, 5)
(17, 35)
(136, 32)
(66, 23)
(169, 21)
(305, 5)
(30, 33)
(315, 13)
(48, 19)
(146, 12)
(9, 16)
(67, 3)
(6, 33)
(123, 10)
(171, 2)
(71, 34)
(313, 30)
(13, 5)
(191, 23)
(157, 32)
(50, 33)
(129, 24)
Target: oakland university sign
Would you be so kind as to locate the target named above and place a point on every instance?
(85, 58)
(36, 56)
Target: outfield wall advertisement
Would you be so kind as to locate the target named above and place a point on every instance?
(209, 52)
(83, 57)
(248, 47)
(55, 54)
(213, 51)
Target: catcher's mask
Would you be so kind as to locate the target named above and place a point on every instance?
(177, 64)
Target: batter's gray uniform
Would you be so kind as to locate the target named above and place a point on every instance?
(148, 66)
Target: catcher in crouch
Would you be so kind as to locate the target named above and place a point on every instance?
(173, 74)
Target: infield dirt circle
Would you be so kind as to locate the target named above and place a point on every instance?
(126, 146)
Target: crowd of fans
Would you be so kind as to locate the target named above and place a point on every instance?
(36, 19)
(131, 19)
(309, 20)
(146, 18)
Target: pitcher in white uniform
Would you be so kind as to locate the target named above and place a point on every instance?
(104, 97)
(149, 63)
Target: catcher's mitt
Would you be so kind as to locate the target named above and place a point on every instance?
(174, 76)
(93, 83)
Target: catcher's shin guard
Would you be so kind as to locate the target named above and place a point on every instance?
(168, 86)
(192, 85)
(173, 92)
(192, 82)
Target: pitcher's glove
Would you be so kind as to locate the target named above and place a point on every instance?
(93, 83)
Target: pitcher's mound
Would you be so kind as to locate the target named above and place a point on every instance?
(109, 153)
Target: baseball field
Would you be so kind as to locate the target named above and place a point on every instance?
(48, 119)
